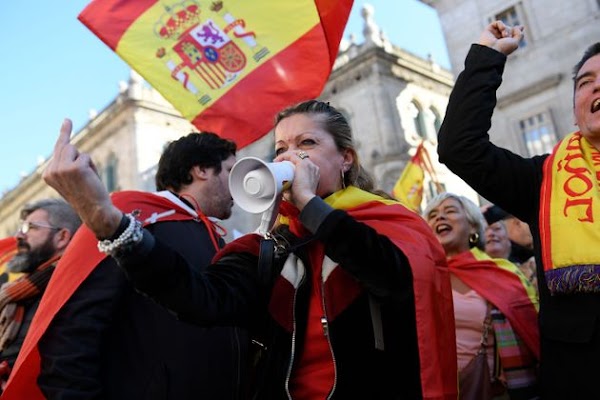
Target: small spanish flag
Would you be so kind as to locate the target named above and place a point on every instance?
(228, 66)
(8, 248)
(409, 188)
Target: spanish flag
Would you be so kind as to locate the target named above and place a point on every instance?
(227, 66)
(502, 283)
(8, 248)
(409, 187)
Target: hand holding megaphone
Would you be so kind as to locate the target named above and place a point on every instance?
(256, 187)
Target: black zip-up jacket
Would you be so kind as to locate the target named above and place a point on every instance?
(230, 291)
(111, 342)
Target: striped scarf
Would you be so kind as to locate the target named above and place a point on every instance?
(517, 362)
(569, 211)
(14, 294)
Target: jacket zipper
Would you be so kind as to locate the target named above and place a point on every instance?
(238, 377)
(325, 324)
(293, 350)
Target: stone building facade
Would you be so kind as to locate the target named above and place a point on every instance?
(125, 140)
(393, 100)
(535, 101)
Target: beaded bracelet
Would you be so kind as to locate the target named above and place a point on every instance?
(132, 235)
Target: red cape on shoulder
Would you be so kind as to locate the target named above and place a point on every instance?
(78, 261)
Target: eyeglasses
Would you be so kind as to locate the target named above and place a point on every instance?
(26, 226)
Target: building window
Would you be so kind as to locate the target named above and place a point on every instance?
(148, 179)
(100, 170)
(419, 120)
(389, 180)
(538, 133)
(110, 173)
(437, 119)
(511, 17)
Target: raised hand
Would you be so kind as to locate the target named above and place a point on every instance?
(502, 37)
(73, 175)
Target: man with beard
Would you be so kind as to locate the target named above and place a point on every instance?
(98, 338)
(47, 228)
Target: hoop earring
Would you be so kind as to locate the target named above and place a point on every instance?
(473, 239)
(343, 179)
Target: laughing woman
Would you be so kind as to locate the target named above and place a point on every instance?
(490, 296)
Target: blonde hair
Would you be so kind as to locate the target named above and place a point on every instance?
(337, 126)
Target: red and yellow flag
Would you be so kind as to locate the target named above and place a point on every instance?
(502, 283)
(78, 261)
(409, 188)
(227, 66)
(8, 248)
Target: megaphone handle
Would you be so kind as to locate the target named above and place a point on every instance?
(267, 219)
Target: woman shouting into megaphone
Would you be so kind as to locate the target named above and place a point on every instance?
(352, 301)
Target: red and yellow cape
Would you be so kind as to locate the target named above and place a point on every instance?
(79, 260)
(431, 282)
(501, 283)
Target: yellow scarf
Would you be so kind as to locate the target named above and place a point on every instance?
(569, 209)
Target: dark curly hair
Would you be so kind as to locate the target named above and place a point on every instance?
(204, 149)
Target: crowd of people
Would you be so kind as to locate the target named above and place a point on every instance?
(350, 295)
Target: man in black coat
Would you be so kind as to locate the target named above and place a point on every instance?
(569, 316)
(110, 342)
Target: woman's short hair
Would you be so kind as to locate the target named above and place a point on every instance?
(474, 215)
(337, 126)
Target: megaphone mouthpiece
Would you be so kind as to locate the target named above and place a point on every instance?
(256, 185)
(259, 184)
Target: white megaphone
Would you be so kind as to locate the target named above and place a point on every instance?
(256, 187)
